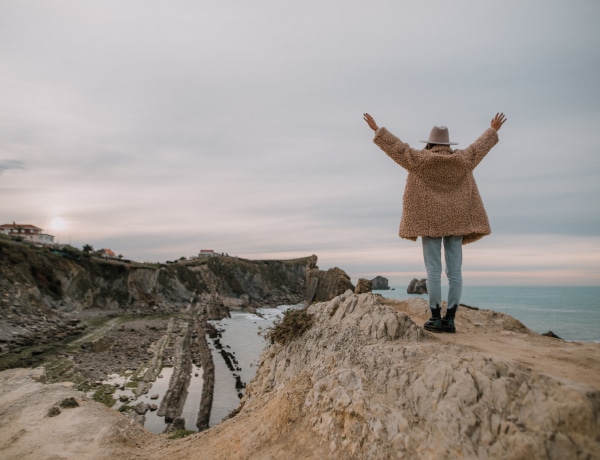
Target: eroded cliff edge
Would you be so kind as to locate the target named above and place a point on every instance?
(44, 295)
(367, 382)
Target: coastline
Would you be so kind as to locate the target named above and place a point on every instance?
(494, 389)
(571, 312)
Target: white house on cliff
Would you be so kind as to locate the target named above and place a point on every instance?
(27, 232)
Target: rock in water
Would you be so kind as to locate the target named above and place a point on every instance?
(380, 283)
(417, 286)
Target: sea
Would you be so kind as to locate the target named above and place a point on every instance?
(571, 312)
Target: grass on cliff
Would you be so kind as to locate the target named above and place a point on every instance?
(293, 324)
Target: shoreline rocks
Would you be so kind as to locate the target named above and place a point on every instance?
(417, 286)
(380, 283)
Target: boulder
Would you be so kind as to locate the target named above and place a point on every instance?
(322, 285)
(417, 286)
(380, 283)
(363, 286)
(141, 408)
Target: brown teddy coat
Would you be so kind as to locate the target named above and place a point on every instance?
(441, 197)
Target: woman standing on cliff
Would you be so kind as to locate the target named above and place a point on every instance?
(442, 205)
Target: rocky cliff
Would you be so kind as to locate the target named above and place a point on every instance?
(38, 287)
(33, 278)
(364, 382)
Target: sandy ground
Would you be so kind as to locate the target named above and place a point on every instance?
(92, 431)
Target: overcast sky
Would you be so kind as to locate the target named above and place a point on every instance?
(159, 128)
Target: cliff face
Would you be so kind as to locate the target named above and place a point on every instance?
(44, 295)
(33, 279)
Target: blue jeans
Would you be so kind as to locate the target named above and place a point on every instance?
(432, 253)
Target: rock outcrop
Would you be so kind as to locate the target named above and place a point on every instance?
(363, 286)
(364, 382)
(324, 285)
(380, 283)
(417, 286)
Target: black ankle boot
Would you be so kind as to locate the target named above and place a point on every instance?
(434, 324)
(448, 320)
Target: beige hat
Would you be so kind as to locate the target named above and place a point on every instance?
(439, 135)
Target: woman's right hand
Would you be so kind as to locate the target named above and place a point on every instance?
(370, 121)
(498, 121)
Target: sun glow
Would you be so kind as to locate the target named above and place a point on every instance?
(58, 224)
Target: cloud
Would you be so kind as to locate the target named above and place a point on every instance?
(11, 164)
(159, 128)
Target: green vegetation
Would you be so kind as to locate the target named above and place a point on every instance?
(293, 324)
(104, 395)
(178, 434)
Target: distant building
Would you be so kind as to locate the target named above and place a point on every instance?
(207, 253)
(107, 254)
(27, 232)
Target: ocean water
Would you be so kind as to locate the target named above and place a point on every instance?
(572, 313)
(240, 336)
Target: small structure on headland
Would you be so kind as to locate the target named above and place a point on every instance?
(27, 232)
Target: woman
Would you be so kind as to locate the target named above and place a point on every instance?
(442, 205)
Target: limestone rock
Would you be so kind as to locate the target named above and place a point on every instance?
(417, 286)
(363, 286)
(325, 285)
(141, 408)
(367, 382)
(380, 283)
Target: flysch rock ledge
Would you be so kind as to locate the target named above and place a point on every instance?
(365, 382)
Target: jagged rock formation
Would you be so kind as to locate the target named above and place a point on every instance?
(323, 286)
(363, 286)
(417, 286)
(380, 283)
(365, 382)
